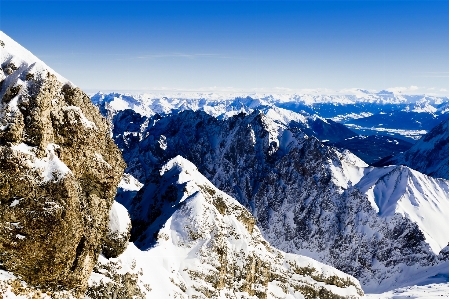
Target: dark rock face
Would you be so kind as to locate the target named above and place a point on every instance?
(59, 170)
(297, 189)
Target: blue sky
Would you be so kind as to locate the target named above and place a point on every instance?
(245, 46)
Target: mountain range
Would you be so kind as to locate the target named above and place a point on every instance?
(306, 197)
(244, 197)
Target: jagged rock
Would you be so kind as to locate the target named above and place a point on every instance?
(59, 170)
(195, 241)
(304, 195)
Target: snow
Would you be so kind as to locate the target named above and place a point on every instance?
(100, 159)
(24, 59)
(22, 290)
(430, 291)
(129, 183)
(50, 167)
(167, 266)
(119, 221)
(427, 283)
(82, 118)
(422, 199)
(14, 203)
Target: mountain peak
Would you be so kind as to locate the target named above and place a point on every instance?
(16, 59)
(207, 245)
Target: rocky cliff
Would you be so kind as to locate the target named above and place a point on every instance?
(59, 170)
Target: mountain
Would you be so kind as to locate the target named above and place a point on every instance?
(313, 125)
(430, 155)
(328, 118)
(59, 171)
(307, 198)
(194, 241)
(424, 200)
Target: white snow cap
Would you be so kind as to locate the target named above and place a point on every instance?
(12, 52)
(119, 221)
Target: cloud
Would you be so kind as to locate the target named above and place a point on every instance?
(443, 89)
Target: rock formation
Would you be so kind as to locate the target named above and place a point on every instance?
(59, 170)
(195, 241)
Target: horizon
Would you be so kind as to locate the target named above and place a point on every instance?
(324, 47)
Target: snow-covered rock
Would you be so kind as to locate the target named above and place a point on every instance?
(119, 231)
(307, 198)
(194, 241)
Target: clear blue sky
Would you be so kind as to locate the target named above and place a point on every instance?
(145, 45)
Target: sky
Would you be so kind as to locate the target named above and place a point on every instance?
(281, 46)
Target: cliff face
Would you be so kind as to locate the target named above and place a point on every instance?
(59, 170)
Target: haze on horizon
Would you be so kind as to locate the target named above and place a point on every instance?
(247, 46)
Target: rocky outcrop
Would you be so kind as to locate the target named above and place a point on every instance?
(201, 243)
(59, 170)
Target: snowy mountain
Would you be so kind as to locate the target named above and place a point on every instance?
(323, 129)
(307, 198)
(194, 241)
(63, 235)
(422, 199)
(429, 155)
(325, 117)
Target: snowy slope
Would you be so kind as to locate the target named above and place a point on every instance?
(428, 283)
(304, 196)
(194, 241)
(422, 199)
(16, 59)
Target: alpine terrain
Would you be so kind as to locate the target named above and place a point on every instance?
(64, 236)
(307, 198)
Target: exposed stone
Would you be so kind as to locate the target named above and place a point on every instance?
(59, 170)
